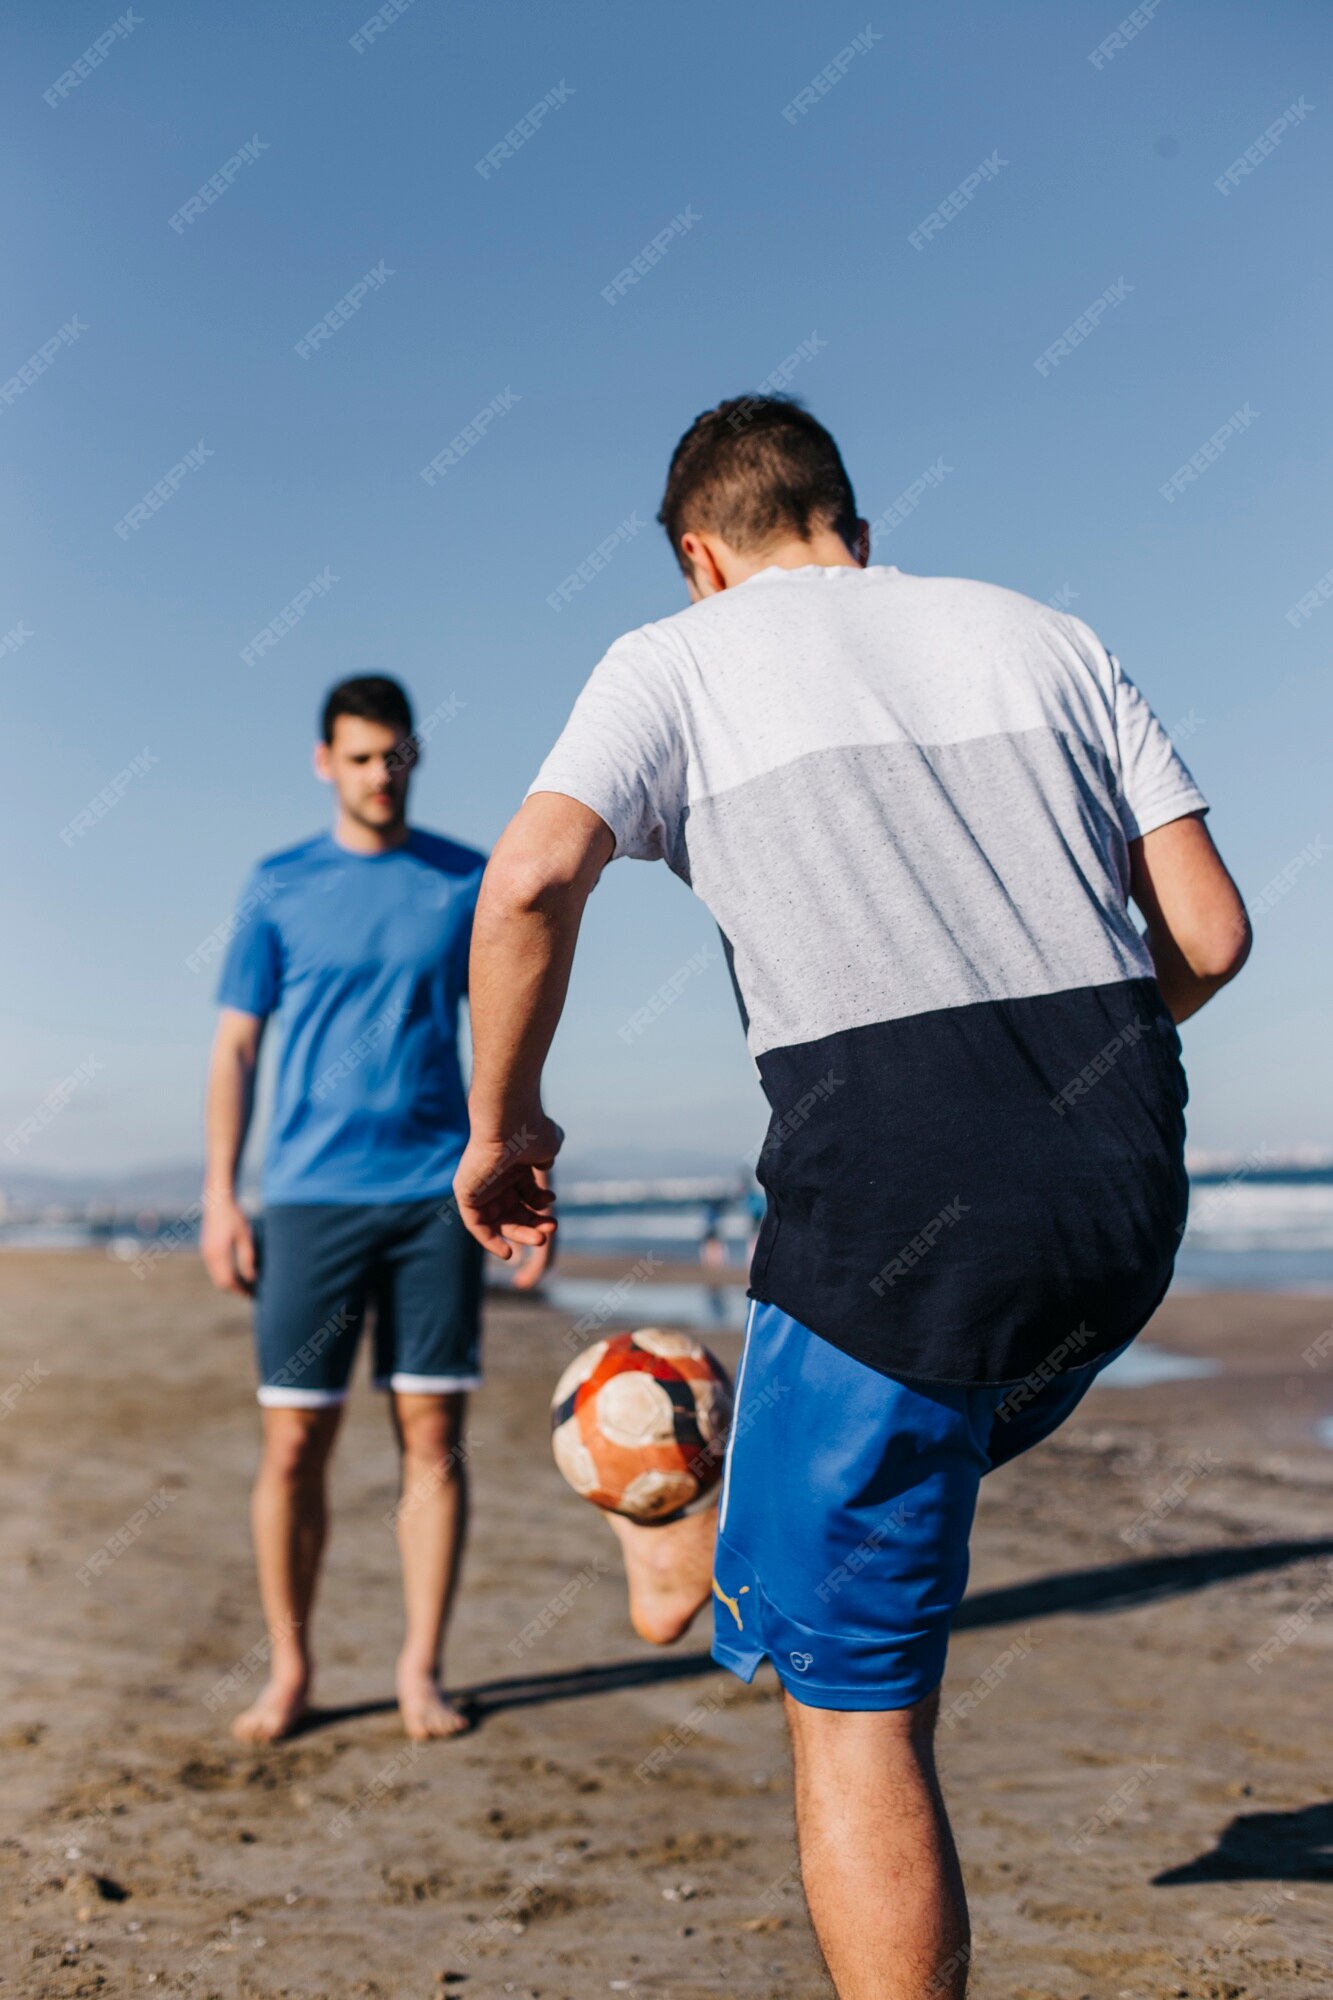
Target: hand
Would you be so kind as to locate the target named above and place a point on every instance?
(537, 1261)
(503, 1188)
(227, 1245)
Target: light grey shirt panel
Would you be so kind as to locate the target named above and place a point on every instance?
(867, 884)
(798, 660)
(624, 753)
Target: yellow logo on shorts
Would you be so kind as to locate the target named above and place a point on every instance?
(731, 1602)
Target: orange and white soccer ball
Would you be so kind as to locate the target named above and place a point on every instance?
(639, 1422)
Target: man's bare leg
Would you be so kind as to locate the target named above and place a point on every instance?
(669, 1570)
(432, 1521)
(877, 1857)
(289, 1520)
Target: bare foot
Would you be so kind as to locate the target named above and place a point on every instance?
(275, 1714)
(424, 1710)
(670, 1572)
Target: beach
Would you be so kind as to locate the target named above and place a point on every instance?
(1134, 1736)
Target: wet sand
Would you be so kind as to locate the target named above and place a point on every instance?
(1140, 1812)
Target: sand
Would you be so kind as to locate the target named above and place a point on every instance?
(1140, 1812)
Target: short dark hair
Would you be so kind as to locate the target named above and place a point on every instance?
(374, 697)
(753, 469)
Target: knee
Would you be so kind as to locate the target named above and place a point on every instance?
(432, 1436)
(294, 1454)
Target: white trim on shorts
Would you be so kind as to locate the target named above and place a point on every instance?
(427, 1385)
(274, 1397)
(735, 1413)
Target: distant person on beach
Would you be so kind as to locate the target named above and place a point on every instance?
(919, 809)
(357, 941)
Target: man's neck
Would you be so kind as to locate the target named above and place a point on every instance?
(826, 550)
(358, 838)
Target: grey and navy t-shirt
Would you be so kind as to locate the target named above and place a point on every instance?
(908, 803)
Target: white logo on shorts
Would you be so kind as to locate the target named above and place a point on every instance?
(802, 1661)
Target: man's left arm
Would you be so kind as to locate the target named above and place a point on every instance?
(531, 904)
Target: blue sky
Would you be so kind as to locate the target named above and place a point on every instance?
(1102, 179)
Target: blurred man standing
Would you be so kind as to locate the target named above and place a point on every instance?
(357, 941)
(918, 808)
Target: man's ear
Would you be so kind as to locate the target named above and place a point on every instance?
(861, 544)
(704, 574)
(320, 760)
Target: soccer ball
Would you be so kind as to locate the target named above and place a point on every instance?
(639, 1422)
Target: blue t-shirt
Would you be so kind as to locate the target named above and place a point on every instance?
(364, 960)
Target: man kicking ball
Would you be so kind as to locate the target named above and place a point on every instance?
(918, 808)
(357, 941)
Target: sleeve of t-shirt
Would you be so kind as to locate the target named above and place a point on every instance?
(1155, 783)
(252, 970)
(622, 752)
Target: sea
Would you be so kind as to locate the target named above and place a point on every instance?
(1252, 1228)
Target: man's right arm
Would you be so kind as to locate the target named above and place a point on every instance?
(1198, 932)
(226, 1240)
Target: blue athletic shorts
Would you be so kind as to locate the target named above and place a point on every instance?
(321, 1264)
(846, 1508)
